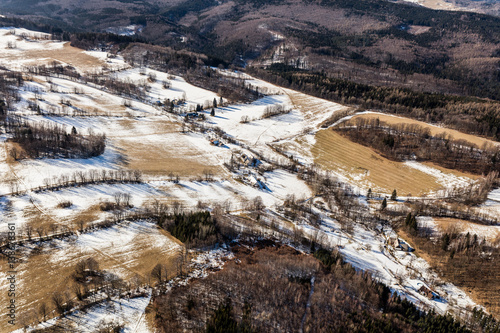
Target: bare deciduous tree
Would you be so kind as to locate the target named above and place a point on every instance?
(159, 272)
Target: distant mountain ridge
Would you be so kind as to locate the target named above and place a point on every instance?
(373, 42)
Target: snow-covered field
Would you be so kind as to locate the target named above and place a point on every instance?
(403, 272)
(279, 184)
(493, 198)
(438, 226)
(126, 312)
(445, 179)
(16, 45)
(128, 251)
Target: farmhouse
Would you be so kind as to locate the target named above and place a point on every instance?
(216, 142)
(249, 160)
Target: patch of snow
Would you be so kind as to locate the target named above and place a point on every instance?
(445, 179)
(127, 312)
(489, 232)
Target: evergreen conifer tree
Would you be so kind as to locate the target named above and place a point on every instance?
(394, 195)
(384, 204)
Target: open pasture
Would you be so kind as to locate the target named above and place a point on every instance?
(130, 251)
(366, 168)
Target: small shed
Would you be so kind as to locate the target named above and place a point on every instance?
(402, 246)
(428, 293)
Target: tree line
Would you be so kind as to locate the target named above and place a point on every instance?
(9, 80)
(120, 87)
(45, 139)
(468, 114)
(90, 177)
(402, 142)
(195, 68)
(275, 110)
(458, 210)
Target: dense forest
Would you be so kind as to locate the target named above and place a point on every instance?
(195, 229)
(368, 41)
(273, 288)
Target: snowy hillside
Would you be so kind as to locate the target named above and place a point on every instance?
(187, 159)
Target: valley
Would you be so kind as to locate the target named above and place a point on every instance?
(98, 238)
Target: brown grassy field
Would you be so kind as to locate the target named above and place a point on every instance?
(160, 160)
(39, 218)
(103, 108)
(160, 149)
(314, 109)
(393, 120)
(48, 269)
(365, 167)
(68, 55)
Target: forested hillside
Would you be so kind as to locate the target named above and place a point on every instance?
(367, 41)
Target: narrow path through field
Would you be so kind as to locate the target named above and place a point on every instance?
(136, 328)
(116, 261)
(308, 305)
(258, 138)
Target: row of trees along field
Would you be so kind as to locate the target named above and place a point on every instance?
(402, 142)
(9, 82)
(468, 114)
(44, 139)
(195, 68)
(114, 85)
